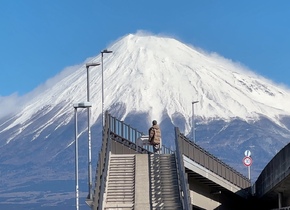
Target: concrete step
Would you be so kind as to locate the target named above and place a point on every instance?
(164, 182)
(120, 190)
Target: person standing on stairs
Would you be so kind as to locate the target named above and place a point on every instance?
(155, 137)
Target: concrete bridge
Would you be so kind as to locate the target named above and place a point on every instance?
(129, 176)
(272, 187)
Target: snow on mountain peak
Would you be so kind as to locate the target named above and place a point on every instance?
(154, 74)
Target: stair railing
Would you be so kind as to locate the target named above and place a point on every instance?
(184, 188)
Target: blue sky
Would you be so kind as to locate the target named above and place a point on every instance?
(38, 39)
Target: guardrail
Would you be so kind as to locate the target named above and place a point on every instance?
(128, 136)
(101, 173)
(210, 162)
(184, 191)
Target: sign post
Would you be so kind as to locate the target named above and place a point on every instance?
(247, 160)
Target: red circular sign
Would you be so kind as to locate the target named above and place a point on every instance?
(247, 161)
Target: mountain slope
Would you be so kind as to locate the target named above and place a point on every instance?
(154, 74)
(146, 77)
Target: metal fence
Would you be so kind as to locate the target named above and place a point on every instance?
(125, 137)
(184, 187)
(210, 162)
(102, 165)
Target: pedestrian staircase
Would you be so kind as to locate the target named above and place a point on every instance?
(164, 184)
(120, 186)
(128, 171)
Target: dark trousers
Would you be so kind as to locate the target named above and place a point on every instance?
(156, 148)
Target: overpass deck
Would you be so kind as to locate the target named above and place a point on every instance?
(121, 139)
(273, 184)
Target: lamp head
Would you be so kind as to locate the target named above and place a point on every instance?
(92, 64)
(82, 105)
(106, 51)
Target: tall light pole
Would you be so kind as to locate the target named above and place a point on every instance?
(76, 106)
(193, 124)
(88, 65)
(102, 53)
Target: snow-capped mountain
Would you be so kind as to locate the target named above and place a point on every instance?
(147, 77)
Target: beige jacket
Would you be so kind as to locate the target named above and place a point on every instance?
(154, 135)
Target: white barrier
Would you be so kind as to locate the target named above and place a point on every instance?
(144, 141)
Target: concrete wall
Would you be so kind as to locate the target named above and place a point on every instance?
(206, 197)
(277, 170)
(200, 196)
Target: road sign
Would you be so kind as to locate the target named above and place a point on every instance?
(247, 161)
(248, 153)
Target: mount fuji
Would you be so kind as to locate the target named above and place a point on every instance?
(146, 77)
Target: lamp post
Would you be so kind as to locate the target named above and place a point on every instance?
(193, 124)
(88, 65)
(76, 106)
(102, 53)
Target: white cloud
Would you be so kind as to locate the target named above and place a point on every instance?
(10, 104)
(14, 103)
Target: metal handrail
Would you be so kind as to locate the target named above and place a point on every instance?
(131, 134)
(101, 172)
(184, 193)
(244, 179)
(106, 163)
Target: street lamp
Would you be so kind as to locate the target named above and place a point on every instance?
(102, 53)
(193, 127)
(76, 106)
(88, 65)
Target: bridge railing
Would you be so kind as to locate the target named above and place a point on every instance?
(184, 188)
(210, 162)
(101, 172)
(128, 136)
